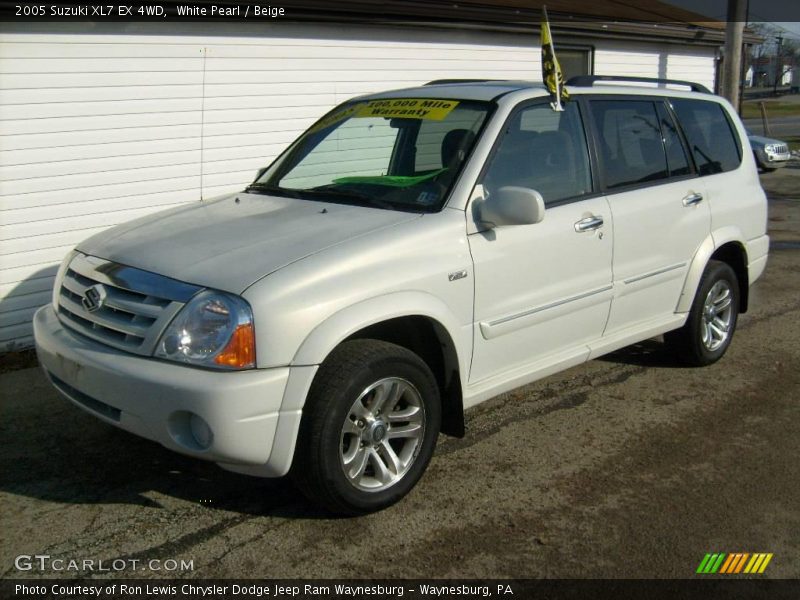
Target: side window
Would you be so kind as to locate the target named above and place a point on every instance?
(713, 143)
(542, 150)
(677, 161)
(372, 137)
(631, 148)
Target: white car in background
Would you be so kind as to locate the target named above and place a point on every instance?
(770, 154)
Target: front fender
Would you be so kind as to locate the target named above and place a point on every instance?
(341, 325)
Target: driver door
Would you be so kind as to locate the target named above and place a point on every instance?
(542, 291)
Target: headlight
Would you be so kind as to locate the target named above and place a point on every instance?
(62, 269)
(213, 330)
(770, 148)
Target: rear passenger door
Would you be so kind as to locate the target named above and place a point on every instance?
(658, 206)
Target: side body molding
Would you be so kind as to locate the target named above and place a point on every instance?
(702, 256)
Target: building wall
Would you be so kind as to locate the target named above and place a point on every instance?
(100, 127)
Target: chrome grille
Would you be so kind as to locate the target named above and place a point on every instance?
(781, 148)
(135, 308)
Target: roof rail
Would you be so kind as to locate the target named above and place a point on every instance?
(590, 80)
(446, 81)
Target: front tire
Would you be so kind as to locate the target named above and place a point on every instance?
(709, 329)
(369, 428)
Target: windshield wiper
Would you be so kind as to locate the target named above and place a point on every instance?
(325, 194)
(265, 188)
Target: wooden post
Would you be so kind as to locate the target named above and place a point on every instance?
(732, 61)
(764, 120)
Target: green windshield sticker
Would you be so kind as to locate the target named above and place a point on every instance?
(400, 181)
(408, 108)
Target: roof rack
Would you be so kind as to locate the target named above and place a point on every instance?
(590, 80)
(448, 81)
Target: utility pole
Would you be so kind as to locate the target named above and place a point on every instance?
(778, 65)
(732, 65)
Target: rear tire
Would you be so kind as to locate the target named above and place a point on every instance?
(709, 329)
(369, 428)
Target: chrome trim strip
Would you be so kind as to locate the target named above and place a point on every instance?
(654, 273)
(138, 305)
(555, 304)
(108, 321)
(132, 279)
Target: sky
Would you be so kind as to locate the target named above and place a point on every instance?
(784, 14)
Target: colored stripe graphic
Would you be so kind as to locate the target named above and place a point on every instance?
(765, 563)
(729, 562)
(717, 564)
(703, 563)
(711, 563)
(734, 563)
(757, 558)
(740, 565)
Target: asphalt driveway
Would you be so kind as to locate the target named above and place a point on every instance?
(628, 466)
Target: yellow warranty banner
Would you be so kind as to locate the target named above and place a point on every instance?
(339, 115)
(408, 108)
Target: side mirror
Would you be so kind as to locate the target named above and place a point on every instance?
(512, 205)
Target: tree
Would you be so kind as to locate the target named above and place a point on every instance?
(785, 60)
(775, 56)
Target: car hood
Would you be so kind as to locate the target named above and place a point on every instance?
(233, 241)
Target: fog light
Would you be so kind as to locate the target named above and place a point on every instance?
(201, 432)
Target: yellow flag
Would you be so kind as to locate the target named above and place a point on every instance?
(551, 70)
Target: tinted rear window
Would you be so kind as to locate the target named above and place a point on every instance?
(711, 138)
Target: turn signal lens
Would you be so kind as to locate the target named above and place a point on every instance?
(240, 353)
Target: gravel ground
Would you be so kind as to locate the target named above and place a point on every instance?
(628, 466)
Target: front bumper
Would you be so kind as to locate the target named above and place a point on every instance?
(773, 160)
(156, 399)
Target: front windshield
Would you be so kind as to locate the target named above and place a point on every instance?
(401, 153)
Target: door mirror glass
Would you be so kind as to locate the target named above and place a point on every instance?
(511, 205)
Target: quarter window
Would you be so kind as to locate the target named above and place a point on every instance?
(631, 147)
(714, 145)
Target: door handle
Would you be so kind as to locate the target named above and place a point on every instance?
(589, 224)
(692, 199)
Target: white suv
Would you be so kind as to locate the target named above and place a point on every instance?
(412, 254)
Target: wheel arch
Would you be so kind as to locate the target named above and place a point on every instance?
(725, 245)
(416, 321)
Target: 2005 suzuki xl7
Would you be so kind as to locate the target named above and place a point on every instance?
(412, 254)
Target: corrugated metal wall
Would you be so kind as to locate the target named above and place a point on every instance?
(99, 128)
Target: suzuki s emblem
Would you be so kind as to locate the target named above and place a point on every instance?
(94, 297)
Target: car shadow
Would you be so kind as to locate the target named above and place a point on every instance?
(649, 353)
(55, 452)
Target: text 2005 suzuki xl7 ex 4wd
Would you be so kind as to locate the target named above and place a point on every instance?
(412, 254)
